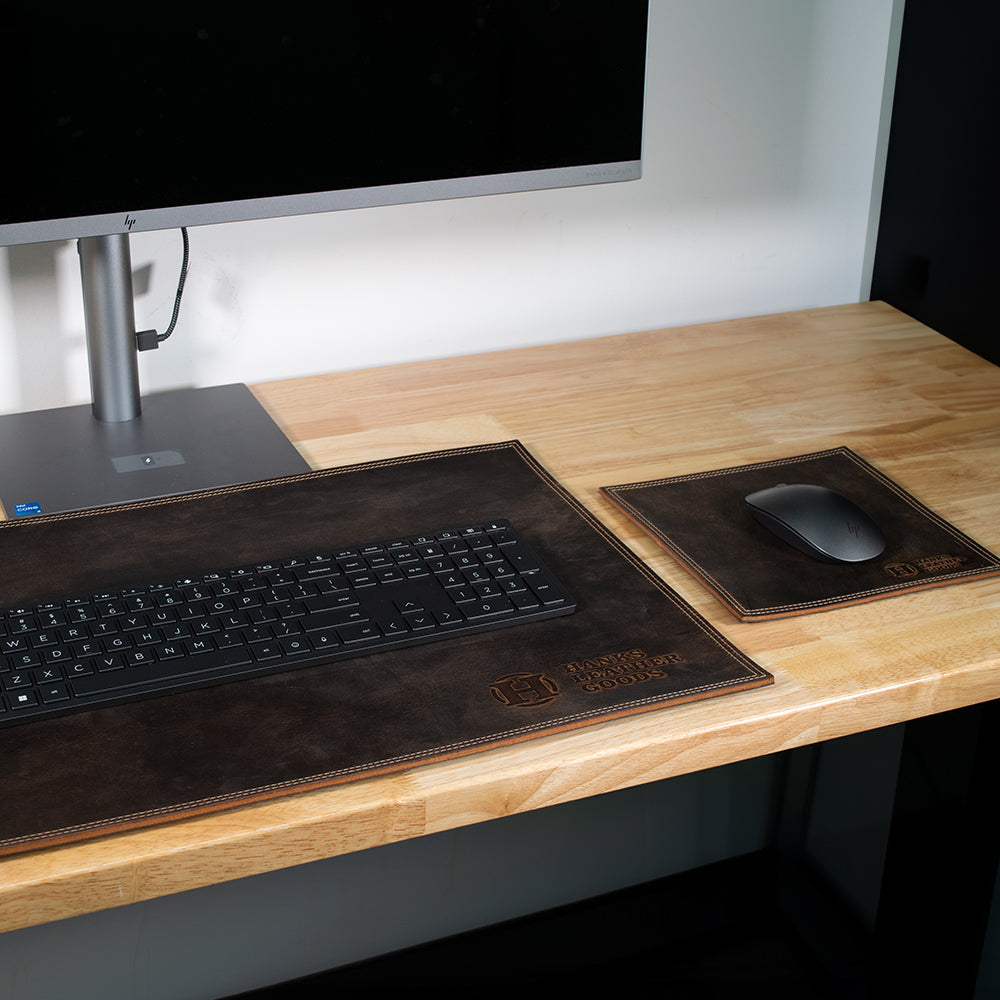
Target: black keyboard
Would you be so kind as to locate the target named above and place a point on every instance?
(72, 654)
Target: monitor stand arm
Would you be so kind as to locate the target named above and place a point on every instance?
(106, 270)
(123, 447)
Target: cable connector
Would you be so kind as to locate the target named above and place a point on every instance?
(147, 340)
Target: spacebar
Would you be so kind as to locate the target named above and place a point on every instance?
(166, 670)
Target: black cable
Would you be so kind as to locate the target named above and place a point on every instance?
(180, 288)
(149, 339)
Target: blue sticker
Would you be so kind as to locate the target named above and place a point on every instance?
(24, 509)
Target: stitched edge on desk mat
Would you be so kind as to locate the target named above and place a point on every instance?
(702, 521)
(633, 645)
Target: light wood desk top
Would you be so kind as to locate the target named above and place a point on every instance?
(616, 410)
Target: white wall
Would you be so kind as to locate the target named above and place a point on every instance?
(761, 148)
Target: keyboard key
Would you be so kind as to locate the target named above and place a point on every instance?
(490, 608)
(325, 640)
(547, 590)
(364, 632)
(53, 693)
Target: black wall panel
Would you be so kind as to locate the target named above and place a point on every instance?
(936, 257)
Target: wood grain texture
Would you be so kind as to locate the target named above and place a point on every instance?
(614, 410)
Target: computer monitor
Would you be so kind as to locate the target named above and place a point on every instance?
(132, 121)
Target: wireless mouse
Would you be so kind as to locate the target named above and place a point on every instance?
(817, 521)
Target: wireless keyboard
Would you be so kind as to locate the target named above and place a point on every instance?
(73, 654)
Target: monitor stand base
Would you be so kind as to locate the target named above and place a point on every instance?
(185, 440)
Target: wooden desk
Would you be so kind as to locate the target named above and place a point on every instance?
(616, 410)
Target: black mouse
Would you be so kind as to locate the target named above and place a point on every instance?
(817, 521)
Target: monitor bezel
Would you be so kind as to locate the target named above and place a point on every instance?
(285, 206)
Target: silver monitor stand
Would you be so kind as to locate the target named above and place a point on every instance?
(124, 447)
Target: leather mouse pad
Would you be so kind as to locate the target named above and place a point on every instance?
(632, 645)
(703, 522)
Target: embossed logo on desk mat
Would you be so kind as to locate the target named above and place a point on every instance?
(701, 520)
(633, 645)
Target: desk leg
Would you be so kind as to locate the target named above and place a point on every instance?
(824, 921)
(943, 855)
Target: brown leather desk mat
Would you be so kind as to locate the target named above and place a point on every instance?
(702, 521)
(631, 646)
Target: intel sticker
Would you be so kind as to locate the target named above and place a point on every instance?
(24, 509)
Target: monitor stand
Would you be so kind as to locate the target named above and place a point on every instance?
(126, 447)
(183, 441)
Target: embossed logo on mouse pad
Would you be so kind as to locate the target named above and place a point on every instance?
(928, 565)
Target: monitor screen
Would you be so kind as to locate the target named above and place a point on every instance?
(119, 122)
(138, 122)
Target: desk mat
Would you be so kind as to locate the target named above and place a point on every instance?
(633, 645)
(702, 521)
